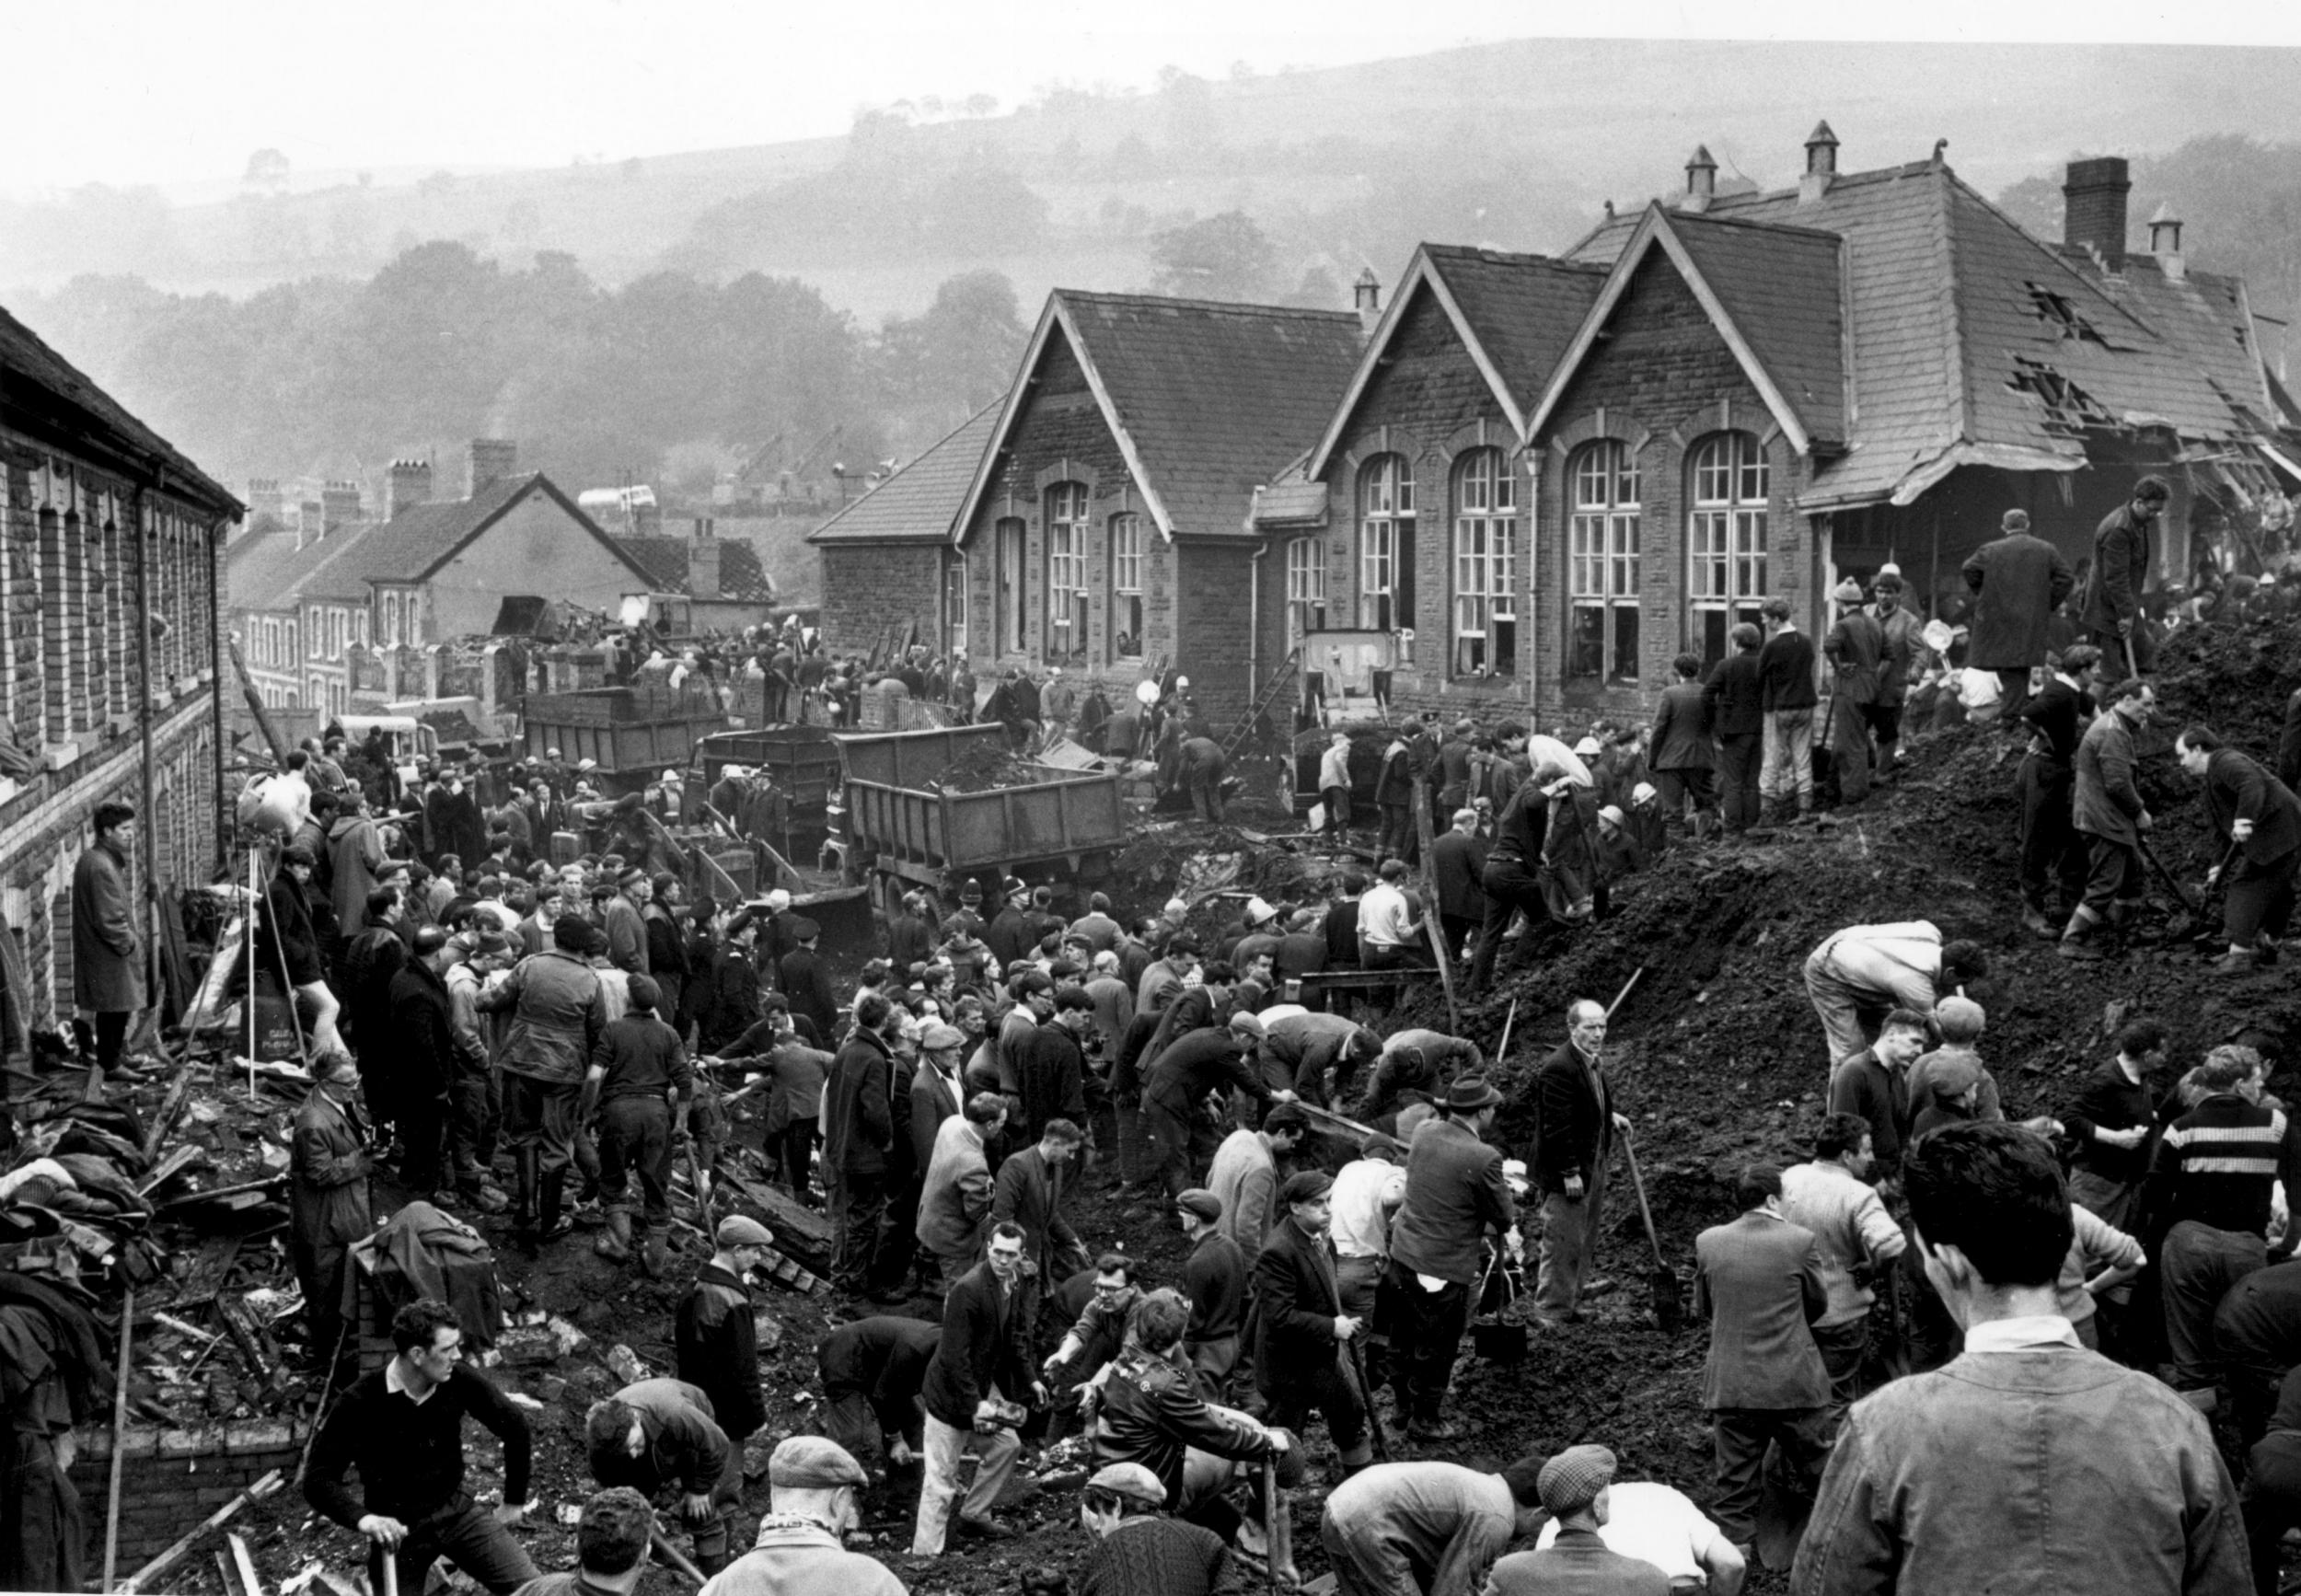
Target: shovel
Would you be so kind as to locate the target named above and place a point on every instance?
(2179, 892)
(1662, 1281)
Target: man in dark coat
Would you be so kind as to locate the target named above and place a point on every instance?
(1759, 1282)
(715, 1337)
(1511, 880)
(982, 1362)
(1683, 761)
(422, 1060)
(857, 1136)
(1028, 1192)
(1009, 931)
(1855, 648)
(2051, 849)
(807, 985)
(2018, 581)
(1199, 768)
(1177, 1083)
(290, 943)
(2259, 819)
(873, 1372)
(654, 1435)
(1735, 697)
(2109, 814)
(1459, 858)
(1302, 1335)
(107, 950)
(328, 1197)
(1049, 1066)
(2112, 614)
(1577, 1128)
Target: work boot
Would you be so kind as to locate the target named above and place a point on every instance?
(2077, 936)
(524, 1163)
(655, 1256)
(2236, 962)
(550, 1224)
(614, 1243)
(2034, 920)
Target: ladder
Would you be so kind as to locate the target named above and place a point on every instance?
(1279, 676)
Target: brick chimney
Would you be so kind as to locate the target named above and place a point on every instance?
(408, 482)
(703, 560)
(2093, 215)
(264, 499)
(1821, 164)
(492, 458)
(1701, 180)
(340, 506)
(1366, 297)
(311, 522)
(2165, 243)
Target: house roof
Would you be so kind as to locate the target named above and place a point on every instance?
(27, 361)
(1970, 340)
(920, 503)
(742, 579)
(260, 569)
(1515, 314)
(1205, 400)
(422, 538)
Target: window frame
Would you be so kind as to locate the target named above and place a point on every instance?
(1729, 524)
(1485, 564)
(1605, 561)
(1129, 615)
(1065, 573)
(1009, 543)
(1306, 587)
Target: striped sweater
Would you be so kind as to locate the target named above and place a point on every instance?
(2219, 1161)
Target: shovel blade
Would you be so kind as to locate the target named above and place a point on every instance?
(1670, 1310)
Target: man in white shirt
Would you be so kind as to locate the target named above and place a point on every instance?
(1650, 1521)
(1832, 1197)
(1388, 926)
(1366, 1197)
(1880, 967)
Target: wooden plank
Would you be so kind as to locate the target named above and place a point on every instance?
(244, 1563)
(174, 1164)
(142, 1578)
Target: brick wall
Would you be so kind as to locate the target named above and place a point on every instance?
(867, 589)
(1662, 383)
(172, 1480)
(1429, 403)
(1060, 436)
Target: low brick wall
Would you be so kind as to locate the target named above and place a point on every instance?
(173, 1479)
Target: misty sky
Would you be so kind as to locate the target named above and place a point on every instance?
(491, 83)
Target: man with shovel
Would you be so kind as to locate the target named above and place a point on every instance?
(2260, 820)
(2108, 813)
(1571, 1150)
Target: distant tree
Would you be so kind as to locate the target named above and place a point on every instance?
(437, 184)
(267, 168)
(1319, 291)
(1241, 71)
(961, 352)
(2036, 204)
(1225, 257)
(982, 105)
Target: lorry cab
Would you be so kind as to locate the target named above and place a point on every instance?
(405, 740)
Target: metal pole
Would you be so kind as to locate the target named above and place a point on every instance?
(143, 736)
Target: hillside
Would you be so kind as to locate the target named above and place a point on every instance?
(1515, 144)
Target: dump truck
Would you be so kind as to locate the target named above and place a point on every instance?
(635, 733)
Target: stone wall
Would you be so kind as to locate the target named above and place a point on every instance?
(172, 1480)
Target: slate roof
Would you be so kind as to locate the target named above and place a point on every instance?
(1206, 400)
(26, 360)
(1780, 285)
(919, 502)
(1522, 309)
(261, 571)
(1974, 342)
(742, 579)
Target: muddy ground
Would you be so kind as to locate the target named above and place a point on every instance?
(1716, 1055)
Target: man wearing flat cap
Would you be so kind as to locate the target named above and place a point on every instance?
(2018, 580)
(715, 1339)
(1138, 1550)
(1303, 1337)
(1575, 1487)
(642, 1086)
(1455, 1194)
(627, 921)
(804, 982)
(422, 1057)
(799, 1551)
(1214, 1283)
(1856, 648)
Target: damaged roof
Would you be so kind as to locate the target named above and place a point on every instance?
(920, 503)
(1969, 341)
(1205, 400)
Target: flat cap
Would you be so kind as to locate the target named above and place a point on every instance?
(1132, 1481)
(1571, 1481)
(1306, 1186)
(1374, 1144)
(736, 1231)
(1246, 1024)
(805, 930)
(1200, 1202)
(938, 1036)
(644, 991)
(811, 1462)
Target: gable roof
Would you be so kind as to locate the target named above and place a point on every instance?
(26, 360)
(1772, 293)
(742, 579)
(421, 538)
(261, 569)
(1971, 342)
(920, 502)
(1205, 400)
(1516, 314)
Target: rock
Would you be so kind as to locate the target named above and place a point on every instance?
(526, 1348)
(566, 1337)
(551, 1388)
(626, 1364)
(769, 1330)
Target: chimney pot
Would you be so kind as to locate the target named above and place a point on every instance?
(491, 460)
(1366, 297)
(2093, 215)
(1701, 180)
(2165, 241)
(1822, 152)
(408, 482)
(703, 555)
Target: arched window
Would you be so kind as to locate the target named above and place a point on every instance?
(1306, 588)
(1726, 535)
(1603, 564)
(1066, 572)
(1127, 586)
(1485, 565)
(1011, 630)
(1387, 544)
